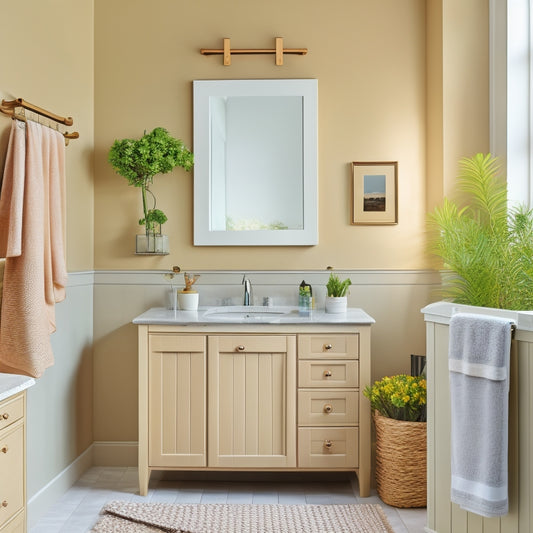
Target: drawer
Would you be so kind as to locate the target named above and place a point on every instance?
(328, 448)
(328, 374)
(177, 343)
(16, 525)
(252, 343)
(328, 408)
(323, 346)
(12, 469)
(11, 410)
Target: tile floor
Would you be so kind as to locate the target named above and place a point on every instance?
(78, 509)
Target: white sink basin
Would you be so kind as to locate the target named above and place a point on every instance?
(247, 313)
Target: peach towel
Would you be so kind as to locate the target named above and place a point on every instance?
(32, 214)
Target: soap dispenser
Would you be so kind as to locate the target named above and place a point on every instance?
(305, 298)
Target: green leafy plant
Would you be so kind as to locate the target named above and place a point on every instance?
(486, 248)
(400, 397)
(336, 287)
(139, 160)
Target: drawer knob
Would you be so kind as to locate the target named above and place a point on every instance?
(241, 348)
(327, 373)
(327, 346)
(5, 416)
(328, 444)
(4, 503)
(4, 449)
(328, 408)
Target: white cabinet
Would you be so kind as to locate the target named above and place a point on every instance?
(12, 464)
(254, 397)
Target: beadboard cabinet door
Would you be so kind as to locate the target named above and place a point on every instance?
(177, 401)
(252, 401)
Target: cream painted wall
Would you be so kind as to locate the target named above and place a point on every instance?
(457, 89)
(48, 59)
(369, 59)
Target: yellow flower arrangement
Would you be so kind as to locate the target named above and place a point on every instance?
(400, 397)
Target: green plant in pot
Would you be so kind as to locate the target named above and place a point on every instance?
(399, 413)
(337, 301)
(139, 160)
(486, 247)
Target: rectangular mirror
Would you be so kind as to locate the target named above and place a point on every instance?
(255, 162)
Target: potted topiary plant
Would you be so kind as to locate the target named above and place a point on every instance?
(486, 248)
(399, 412)
(139, 161)
(337, 301)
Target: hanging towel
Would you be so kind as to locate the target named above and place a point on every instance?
(479, 358)
(32, 211)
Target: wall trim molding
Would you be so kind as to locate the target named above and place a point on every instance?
(115, 453)
(48, 495)
(79, 279)
(272, 277)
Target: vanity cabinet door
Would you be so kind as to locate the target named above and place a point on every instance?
(177, 405)
(252, 401)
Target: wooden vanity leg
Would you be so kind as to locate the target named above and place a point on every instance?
(144, 480)
(144, 469)
(363, 476)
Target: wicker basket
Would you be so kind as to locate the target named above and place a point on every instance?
(401, 472)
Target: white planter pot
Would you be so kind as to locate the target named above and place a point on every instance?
(188, 301)
(336, 304)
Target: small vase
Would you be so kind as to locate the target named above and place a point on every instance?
(336, 304)
(172, 299)
(188, 300)
(151, 243)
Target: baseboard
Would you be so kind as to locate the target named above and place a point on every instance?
(121, 453)
(41, 502)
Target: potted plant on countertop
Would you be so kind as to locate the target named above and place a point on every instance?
(139, 161)
(187, 297)
(399, 412)
(337, 301)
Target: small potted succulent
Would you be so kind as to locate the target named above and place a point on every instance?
(139, 161)
(337, 301)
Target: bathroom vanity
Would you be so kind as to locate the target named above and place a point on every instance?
(252, 388)
(13, 452)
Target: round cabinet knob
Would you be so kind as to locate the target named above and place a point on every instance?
(4, 503)
(241, 348)
(328, 408)
(328, 444)
(327, 373)
(5, 416)
(4, 449)
(327, 347)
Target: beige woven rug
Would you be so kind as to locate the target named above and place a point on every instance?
(126, 517)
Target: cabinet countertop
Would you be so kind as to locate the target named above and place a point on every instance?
(160, 315)
(11, 384)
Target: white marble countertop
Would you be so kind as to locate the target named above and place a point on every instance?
(11, 384)
(256, 315)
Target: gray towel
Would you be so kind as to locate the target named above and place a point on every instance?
(478, 361)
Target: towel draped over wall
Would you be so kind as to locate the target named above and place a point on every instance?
(479, 362)
(32, 216)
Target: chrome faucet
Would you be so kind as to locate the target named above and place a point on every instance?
(247, 289)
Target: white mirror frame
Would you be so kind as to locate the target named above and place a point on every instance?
(202, 91)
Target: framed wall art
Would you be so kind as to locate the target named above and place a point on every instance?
(374, 195)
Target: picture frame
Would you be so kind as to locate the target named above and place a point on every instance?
(374, 193)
